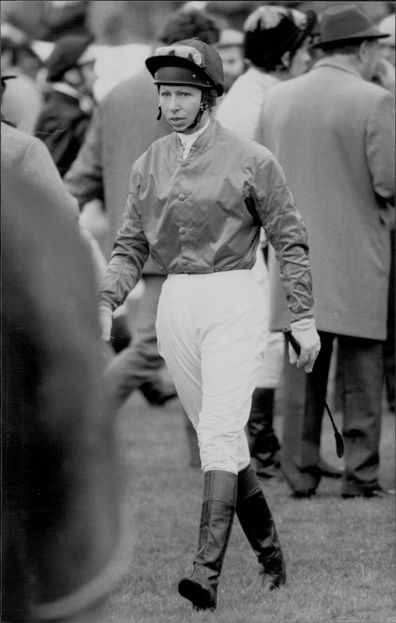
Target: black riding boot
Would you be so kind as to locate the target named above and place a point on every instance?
(263, 443)
(258, 525)
(218, 509)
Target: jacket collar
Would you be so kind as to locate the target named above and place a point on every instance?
(338, 63)
(189, 139)
(203, 141)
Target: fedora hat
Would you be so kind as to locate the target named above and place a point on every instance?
(343, 24)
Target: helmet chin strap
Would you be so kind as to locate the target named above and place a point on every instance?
(198, 118)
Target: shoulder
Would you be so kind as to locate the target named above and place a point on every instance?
(239, 145)
(16, 145)
(156, 150)
(13, 138)
(30, 157)
(281, 89)
(375, 93)
(151, 158)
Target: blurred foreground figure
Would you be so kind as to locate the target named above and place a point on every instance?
(61, 493)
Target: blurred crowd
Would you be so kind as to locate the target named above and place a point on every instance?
(73, 77)
(120, 36)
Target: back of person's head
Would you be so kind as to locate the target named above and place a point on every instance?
(69, 52)
(188, 25)
(271, 31)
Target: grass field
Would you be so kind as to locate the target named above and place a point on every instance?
(340, 554)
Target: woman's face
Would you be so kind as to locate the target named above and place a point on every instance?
(180, 105)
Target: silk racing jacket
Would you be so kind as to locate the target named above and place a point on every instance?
(203, 215)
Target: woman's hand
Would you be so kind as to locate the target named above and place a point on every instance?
(304, 331)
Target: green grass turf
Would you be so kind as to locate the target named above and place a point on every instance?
(340, 554)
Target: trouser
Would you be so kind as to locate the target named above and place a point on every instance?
(140, 361)
(361, 374)
(211, 335)
(389, 344)
(272, 360)
(263, 442)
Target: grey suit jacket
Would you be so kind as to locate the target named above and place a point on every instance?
(333, 134)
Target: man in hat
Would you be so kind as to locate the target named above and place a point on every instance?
(385, 76)
(332, 131)
(68, 108)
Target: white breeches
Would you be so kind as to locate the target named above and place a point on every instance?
(273, 358)
(211, 333)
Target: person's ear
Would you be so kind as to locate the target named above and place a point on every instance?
(286, 59)
(361, 51)
(364, 50)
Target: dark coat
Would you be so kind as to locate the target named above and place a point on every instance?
(62, 126)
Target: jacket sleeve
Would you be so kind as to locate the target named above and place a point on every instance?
(287, 234)
(380, 147)
(130, 251)
(84, 179)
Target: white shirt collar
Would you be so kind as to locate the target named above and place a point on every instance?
(187, 140)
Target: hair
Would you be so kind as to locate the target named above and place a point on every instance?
(189, 24)
(340, 48)
(209, 97)
(273, 64)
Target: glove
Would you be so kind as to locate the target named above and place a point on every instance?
(304, 331)
(105, 321)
